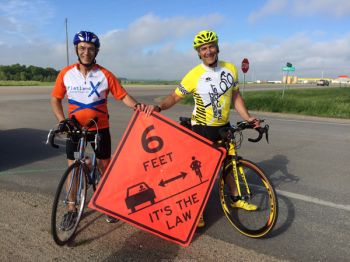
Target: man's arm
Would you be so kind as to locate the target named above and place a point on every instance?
(166, 103)
(57, 108)
(242, 110)
(169, 101)
(130, 102)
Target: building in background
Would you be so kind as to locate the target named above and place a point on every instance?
(293, 79)
(343, 79)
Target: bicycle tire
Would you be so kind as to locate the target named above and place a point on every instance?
(258, 223)
(60, 207)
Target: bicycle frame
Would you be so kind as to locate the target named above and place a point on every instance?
(231, 156)
(78, 186)
(77, 178)
(80, 156)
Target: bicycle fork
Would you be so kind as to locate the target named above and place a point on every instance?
(238, 174)
(76, 177)
(75, 186)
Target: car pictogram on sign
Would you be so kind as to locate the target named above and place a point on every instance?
(139, 194)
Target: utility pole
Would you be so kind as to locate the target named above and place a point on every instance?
(67, 41)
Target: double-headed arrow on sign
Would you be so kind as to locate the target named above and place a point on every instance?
(164, 182)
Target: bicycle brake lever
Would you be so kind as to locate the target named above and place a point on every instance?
(92, 122)
(97, 140)
(266, 127)
(48, 135)
(261, 131)
(50, 139)
(75, 122)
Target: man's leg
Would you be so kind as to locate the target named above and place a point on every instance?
(103, 164)
(104, 150)
(236, 202)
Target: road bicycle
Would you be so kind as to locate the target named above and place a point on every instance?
(252, 184)
(71, 194)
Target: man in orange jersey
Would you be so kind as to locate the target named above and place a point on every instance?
(87, 85)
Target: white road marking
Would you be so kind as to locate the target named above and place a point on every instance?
(313, 122)
(313, 200)
(280, 192)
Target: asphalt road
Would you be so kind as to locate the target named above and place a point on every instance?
(307, 160)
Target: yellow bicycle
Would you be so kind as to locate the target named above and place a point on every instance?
(246, 181)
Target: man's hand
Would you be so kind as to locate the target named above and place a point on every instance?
(255, 121)
(65, 126)
(139, 106)
(150, 108)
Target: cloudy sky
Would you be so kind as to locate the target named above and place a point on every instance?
(152, 39)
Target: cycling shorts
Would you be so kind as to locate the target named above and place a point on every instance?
(102, 152)
(210, 132)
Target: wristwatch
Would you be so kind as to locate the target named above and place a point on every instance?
(157, 108)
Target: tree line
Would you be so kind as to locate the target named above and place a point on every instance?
(19, 72)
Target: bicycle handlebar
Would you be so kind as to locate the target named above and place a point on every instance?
(228, 132)
(261, 131)
(248, 125)
(77, 128)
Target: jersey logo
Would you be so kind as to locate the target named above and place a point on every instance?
(226, 81)
(94, 89)
(214, 99)
(183, 90)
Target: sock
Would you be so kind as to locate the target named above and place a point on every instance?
(235, 198)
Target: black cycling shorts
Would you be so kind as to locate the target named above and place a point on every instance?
(103, 151)
(210, 132)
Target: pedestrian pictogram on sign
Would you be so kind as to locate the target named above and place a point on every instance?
(160, 178)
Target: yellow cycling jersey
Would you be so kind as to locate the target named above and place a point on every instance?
(212, 92)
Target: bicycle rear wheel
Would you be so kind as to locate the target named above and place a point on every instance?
(70, 196)
(256, 223)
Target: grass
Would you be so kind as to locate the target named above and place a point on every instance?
(25, 83)
(323, 102)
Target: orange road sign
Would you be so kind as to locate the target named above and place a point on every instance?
(159, 178)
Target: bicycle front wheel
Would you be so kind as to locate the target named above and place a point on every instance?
(256, 223)
(68, 204)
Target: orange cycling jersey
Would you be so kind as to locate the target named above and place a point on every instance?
(87, 96)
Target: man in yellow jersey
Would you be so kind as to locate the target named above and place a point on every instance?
(214, 87)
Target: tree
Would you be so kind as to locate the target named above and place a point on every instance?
(22, 73)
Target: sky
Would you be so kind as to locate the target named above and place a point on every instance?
(152, 39)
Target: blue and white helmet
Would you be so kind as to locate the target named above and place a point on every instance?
(85, 36)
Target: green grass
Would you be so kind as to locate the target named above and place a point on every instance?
(25, 83)
(324, 102)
